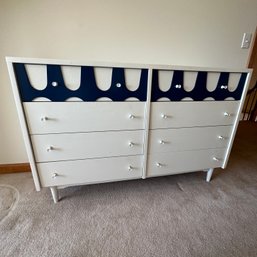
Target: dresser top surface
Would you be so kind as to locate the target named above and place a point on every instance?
(123, 65)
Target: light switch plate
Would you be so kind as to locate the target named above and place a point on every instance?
(246, 40)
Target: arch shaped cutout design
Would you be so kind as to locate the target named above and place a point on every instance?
(57, 91)
(71, 76)
(199, 92)
(37, 75)
(195, 87)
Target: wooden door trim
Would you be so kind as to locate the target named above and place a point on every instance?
(253, 50)
(14, 168)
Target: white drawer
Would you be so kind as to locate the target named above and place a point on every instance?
(187, 161)
(60, 117)
(56, 147)
(89, 171)
(190, 114)
(167, 140)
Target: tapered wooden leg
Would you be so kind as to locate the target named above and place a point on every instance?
(54, 192)
(209, 174)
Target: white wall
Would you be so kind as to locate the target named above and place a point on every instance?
(178, 32)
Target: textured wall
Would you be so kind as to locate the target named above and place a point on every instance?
(178, 32)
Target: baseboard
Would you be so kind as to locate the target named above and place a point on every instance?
(14, 168)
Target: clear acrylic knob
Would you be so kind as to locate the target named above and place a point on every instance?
(178, 86)
(131, 144)
(216, 159)
(224, 87)
(227, 114)
(49, 148)
(164, 116)
(158, 165)
(130, 168)
(118, 84)
(54, 175)
(221, 137)
(161, 142)
(54, 84)
(131, 116)
(44, 118)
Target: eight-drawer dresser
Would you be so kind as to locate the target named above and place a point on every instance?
(89, 123)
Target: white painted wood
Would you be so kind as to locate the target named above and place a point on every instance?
(233, 80)
(235, 125)
(37, 75)
(189, 80)
(161, 164)
(41, 99)
(56, 147)
(147, 123)
(184, 135)
(54, 193)
(90, 171)
(229, 99)
(164, 99)
(132, 78)
(103, 77)
(209, 175)
(104, 99)
(132, 99)
(74, 99)
(181, 139)
(209, 99)
(71, 76)
(187, 99)
(212, 80)
(123, 65)
(165, 78)
(83, 116)
(190, 114)
(23, 125)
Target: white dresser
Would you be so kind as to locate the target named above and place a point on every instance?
(91, 123)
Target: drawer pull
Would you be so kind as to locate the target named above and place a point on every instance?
(164, 116)
(55, 175)
(54, 84)
(118, 84)
(216, 159)
(227, 114)
(161, 142)
(178, 86)
(131, 144)
(130, 168)
(224, 87)
(221, 138)
(49, 148)
(131, 116)
(159, 165)
(44, 118)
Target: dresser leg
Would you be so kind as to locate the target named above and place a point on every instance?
(54, 192)
(209, 174)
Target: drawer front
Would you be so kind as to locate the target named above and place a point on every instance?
(90, 171)
(168, 140)
(187, 161)
(56, 147)
(88, 83)
(49, 117)
(190, 114)
(176, 85)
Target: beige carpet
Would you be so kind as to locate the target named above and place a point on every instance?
(178, 215)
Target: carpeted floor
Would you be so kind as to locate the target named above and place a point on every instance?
(179, 215)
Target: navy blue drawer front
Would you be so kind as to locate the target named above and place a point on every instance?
(176, 91)
(88, 90)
